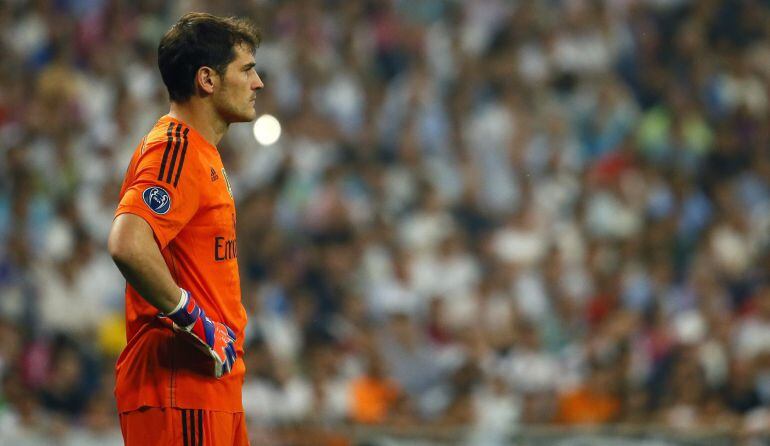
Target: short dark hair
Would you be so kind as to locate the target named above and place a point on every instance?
(199, 39)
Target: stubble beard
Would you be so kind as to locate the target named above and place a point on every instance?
(233, 114)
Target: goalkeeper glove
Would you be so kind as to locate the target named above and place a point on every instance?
(214, 338)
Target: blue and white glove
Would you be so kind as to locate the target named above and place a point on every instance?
(213, 338)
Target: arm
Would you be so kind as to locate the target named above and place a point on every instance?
(133, 248)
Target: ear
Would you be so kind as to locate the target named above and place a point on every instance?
(206, 80)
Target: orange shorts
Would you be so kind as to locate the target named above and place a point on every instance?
(150, 426)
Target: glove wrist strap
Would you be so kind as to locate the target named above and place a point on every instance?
(185, 313)
(181, 304)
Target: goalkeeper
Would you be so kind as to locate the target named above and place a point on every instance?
(179, 379)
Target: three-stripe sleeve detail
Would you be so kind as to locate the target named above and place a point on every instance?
(173, 160)
(177, 143)
(169, 139)
(181, 159)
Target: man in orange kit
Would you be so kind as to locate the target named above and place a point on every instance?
(179, 379)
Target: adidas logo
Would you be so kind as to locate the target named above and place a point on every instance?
(214, 175)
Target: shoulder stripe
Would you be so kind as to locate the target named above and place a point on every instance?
(168, 147)
(181, 158)
(177, 143)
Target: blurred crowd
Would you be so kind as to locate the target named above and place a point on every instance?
(487, 213)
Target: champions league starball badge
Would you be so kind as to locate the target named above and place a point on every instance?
(157, 199)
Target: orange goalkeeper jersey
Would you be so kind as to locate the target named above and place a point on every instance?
(176, 182)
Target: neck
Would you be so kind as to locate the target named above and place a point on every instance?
(201, 117)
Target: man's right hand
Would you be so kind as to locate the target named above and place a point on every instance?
(214, 338)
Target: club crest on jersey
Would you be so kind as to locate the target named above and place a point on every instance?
(157, 199)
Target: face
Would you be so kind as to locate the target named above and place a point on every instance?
(235, 98)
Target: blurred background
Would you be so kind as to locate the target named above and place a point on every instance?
(485, 222)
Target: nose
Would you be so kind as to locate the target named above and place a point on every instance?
(257, 84)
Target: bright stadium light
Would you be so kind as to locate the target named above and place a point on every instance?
(267, 130)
